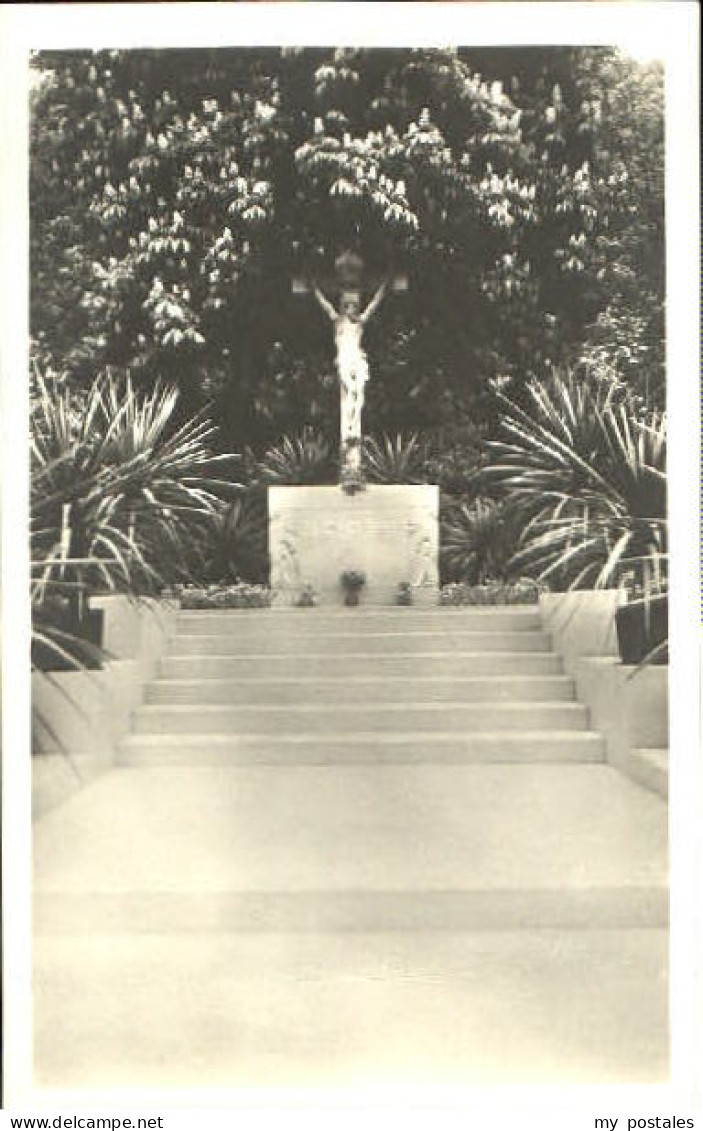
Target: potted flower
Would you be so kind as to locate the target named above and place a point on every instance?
(404, 593)
(353, 581)
(307, 598)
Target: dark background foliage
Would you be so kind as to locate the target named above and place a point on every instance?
(175, 194)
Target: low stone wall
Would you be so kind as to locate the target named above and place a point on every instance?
(628, 704)
(79, 717)
(581, 623)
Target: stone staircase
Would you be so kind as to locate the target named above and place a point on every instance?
(378, 775)
(361, 686)
(381, 769)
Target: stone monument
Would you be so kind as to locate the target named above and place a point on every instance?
(387, 534)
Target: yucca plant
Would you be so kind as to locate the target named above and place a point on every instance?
(239, 540)
(307, 458)
(476, 541)
(553, 451)
(74, 546)
(120, 495)
(167, 478)
(455, 458)
(395, 459)
(587, 469)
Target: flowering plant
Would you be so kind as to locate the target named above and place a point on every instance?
(404, 593)
(353, 579)
(238, 596)
(306, 599)
(523, 592)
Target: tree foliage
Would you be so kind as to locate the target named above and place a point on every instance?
(175, 194)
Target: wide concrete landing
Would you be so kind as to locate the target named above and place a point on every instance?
(350, 1010)
(352, 848)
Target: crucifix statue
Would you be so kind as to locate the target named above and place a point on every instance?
(352, 366)
(349, 321)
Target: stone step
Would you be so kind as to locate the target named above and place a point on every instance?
(361, 689)
(355, 643)
(456, 664)
(353, 848)
(315, 749)
(311, 622)
(340, 719)
(650, 767)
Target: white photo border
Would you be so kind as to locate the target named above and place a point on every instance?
(664, 30)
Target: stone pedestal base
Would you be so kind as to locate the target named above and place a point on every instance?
(390, 533)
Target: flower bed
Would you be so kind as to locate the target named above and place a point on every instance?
(239, 596)
(498, 593)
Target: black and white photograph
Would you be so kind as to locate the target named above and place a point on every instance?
(348, 532)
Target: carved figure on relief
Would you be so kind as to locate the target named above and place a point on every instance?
(423, 565)
(288, 572)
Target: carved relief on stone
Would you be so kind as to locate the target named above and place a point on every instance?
(388, 532)
(422, 557)
(287, 566)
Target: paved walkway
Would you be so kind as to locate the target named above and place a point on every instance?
(421, 1008)
(260, 905)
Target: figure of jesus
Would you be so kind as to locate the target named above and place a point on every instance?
(352, 365)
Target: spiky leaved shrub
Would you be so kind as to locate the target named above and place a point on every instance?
(239, 540)
(455, 458)
(396, 459)
(121, 497)
(585, 465)
(307, 458)
(477, 541)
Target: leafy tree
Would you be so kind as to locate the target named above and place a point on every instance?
(175, 194)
